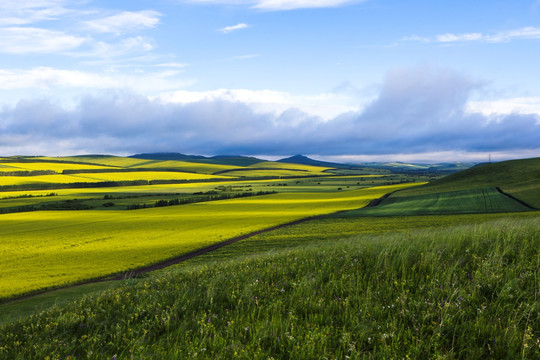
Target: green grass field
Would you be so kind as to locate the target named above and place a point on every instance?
(527, 191)
(486, 188)
(519, 178)
(464, 291)
(483, 200)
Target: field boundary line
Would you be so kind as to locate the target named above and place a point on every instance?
(514, 198)
(178, 259)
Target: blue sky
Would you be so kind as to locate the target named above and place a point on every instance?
(336, 79)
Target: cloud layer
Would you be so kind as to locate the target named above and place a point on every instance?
(47, 27)
(418, 110)
(125, 21)
(530, 33)
(30, 40)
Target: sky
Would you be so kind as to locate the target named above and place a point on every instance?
(339, 80)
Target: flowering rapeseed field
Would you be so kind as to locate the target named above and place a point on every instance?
(53, 248)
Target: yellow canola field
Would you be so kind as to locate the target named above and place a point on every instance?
(100, 177)
(53, 248)
(144, 175)
(100, 191)
(41, 179)
(272, 172)
(116, 161)
(280, 165)
(189, 166)
(57, 167)
(132, 163)
(146, 189)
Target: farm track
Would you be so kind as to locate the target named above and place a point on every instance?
(132, 274)
(376, 202)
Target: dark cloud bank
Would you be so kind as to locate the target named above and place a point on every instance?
(418, 110)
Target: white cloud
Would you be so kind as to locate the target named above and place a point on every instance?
(434, 157)
(121, 48)
(76, 82)
(418, 110)
(53, 39)
(172, 65)
(299, 4)
(324, 106)
(46, 77)
(17, 12)
(520, 105)
(415, 38)
(461, 37)
(526, 33)
(236, 27)
(28, 40)
(125, 21)
(523, 33)
(276, 5)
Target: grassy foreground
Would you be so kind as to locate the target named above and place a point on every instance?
(463, 292)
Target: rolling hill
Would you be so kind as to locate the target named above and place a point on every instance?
(486, 188)
(304, 160)
(235, 160)
(518, 178)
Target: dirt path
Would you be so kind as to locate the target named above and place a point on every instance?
(163, 264)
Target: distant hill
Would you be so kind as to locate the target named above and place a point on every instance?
(491, 174)
(219, 159)
(418, 167)
(390, 166)
(304, 160)
(167, 156)
(236, 160)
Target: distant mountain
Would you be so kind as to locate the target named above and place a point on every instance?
(236, 160)
(219, 159)
(167, 156)
(304, 160)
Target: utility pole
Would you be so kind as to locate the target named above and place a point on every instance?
(490, 157)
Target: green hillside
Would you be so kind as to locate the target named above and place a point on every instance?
(235, 160)
(482, 200)
(517, 178)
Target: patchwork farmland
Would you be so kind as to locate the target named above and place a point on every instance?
(386, 264)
